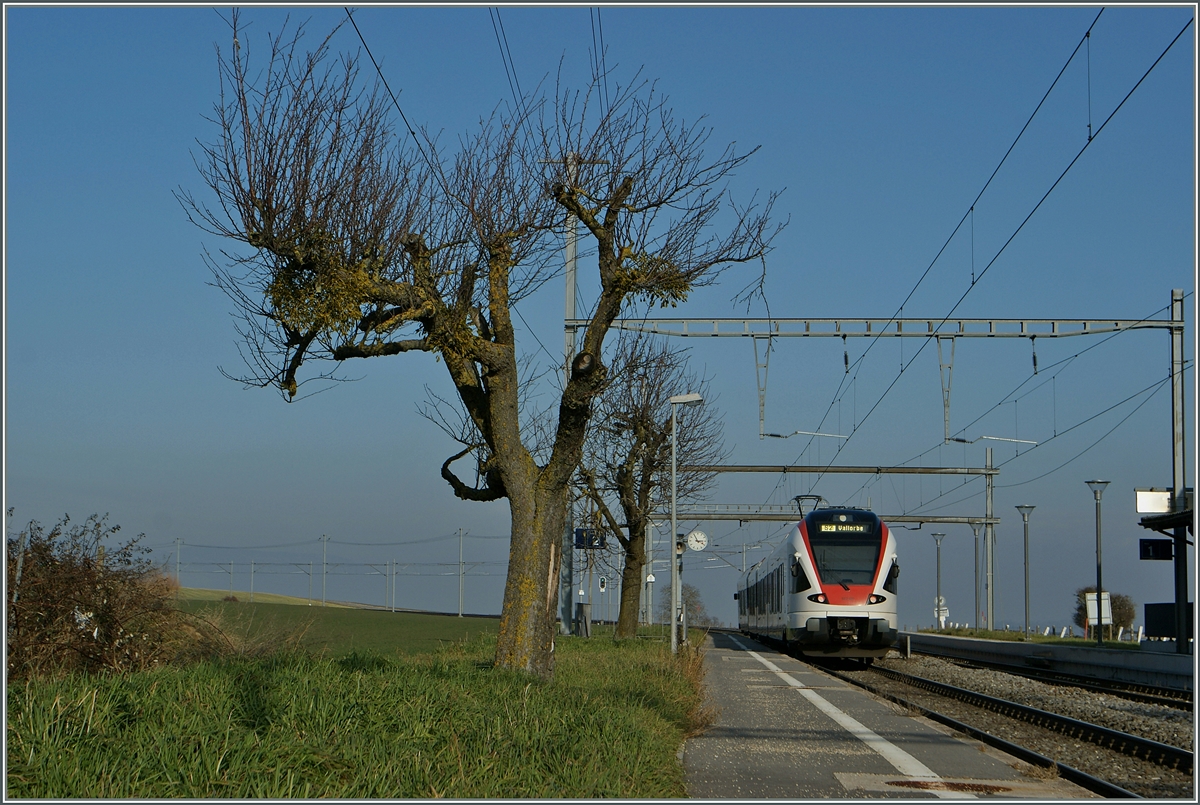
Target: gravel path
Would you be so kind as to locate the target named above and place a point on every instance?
(1163, 724)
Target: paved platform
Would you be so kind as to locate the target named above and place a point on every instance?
(788, 731)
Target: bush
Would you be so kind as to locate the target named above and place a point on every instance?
(1124, 610)
(79, 604)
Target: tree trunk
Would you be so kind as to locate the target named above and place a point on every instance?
(631, 592)
(528, 616)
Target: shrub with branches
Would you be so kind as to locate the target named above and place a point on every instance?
(80, 600)
(1124, 610)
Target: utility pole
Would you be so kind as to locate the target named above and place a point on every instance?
(649, 588)
(310, 583)
(989, 542)
(566, 579)
(975, 618)
(460, 572)
(324, 546)
(178, 584)
(938, 618)
(1179, 473)
(20, 564)
(251, 581)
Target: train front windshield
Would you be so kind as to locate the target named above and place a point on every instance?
(845, 547)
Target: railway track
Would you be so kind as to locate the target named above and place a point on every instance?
(1150, 672)
(1103, 760)
(1147, 694)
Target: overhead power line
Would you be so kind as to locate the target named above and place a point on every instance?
(510, 67)
(437, 170)
(968, 214)
(1006, 244)
(1061, 365)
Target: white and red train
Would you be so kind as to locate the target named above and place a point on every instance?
(829, 590)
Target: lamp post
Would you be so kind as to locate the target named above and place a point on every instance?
(1097, 488)
(676, 401)
(989, 533)
(937, 604)
(1025, 510)
(975, 618)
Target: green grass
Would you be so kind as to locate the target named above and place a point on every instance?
(1016, 637)
(190, 594)
(341, 630)
(363, 725)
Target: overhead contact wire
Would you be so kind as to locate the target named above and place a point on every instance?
(1013, 236)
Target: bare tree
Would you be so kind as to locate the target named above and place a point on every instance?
(361, 247)
(692, 602)
(627, 459)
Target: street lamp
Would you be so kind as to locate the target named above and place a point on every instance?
(679, 399)
(937, 604)
(1097, 488)
(1025, 510)
(976, 527)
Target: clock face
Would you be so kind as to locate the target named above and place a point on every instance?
(697, 540)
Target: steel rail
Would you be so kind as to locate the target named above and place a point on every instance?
(1080, 778)
(1146, 694)
(1122, 742)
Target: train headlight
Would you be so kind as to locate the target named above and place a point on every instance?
(818, 598)
(876, 599)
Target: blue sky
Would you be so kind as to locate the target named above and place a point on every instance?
(881, 125)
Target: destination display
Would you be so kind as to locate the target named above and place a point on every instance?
(855, 527)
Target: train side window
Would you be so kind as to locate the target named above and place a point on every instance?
(800, 581)
(893, 574)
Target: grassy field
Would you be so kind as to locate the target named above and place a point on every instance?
(986, 634)
(341, 630)
(376, 704)
(192, 594)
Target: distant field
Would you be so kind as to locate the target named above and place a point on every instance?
(199, 594)
(339, 630)
(1014, 637)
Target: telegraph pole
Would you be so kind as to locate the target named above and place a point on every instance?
(989, 542)
(460, 573)
(324, 546)
(566, 579)
(649, 588)
(1179, 473)
(975, 618)
(178, 584)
